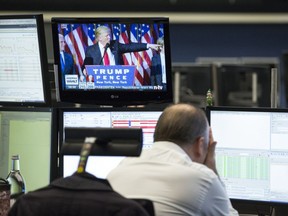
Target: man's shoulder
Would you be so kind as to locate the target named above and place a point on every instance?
(203, 170)
(112, 42)
(67, 55)
(156, 56)
(93, 46)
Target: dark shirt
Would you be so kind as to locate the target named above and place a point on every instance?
(156, 70)
(67, 67)
(76, 195)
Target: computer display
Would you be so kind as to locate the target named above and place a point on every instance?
(28, 133)
(23, 61)
(252, 152)
(100, 166)
(192, 81)
(110, 61)
(244, 85)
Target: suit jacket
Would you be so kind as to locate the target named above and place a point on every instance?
(156, 70)
(93, 53)
(76, 195)
(69, 67)
(69, 64)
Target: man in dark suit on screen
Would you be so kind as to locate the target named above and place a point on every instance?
(158, 71)
(109, 52)
(66, 61)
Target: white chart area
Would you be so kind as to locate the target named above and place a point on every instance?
(252, 153)
(20, 65)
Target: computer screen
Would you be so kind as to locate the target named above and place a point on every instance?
(23, 61)
(100, 166)
(192, 81)
(244, 85)
(28, 133)
(252, 152)
(109, 61)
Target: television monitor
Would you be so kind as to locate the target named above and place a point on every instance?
(135, 73)
(100, 166)
(252, 152)
(193, 81)
(244, 85)
(28, 132)
(23, 61)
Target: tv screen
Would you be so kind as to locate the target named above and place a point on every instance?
(28, 132)
(23, 61)
(252, 152)
(244, 85)
(100, 166)
(112, 61)
(191, 82)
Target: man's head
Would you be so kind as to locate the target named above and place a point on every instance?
(103, 35)
(187, 126)
(160, 41)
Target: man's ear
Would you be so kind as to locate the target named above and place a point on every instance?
(199, 149)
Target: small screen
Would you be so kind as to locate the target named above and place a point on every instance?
(191, 82)
(104, 59)
(22, 60)
(100, 166)
(252, 152)
(244, 85)
(27, 133)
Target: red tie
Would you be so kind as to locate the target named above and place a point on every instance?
(106, 59)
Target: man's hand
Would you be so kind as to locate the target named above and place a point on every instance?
(84, 72)
(154, 46)
(210, 157)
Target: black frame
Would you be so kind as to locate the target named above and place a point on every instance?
(196, 77)
(106, 96)
(53, 136)
(223, 6)
(60, 121)
(258, 203)
(43, 61)
(234, 72)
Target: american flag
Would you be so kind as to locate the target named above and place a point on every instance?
(146, 37)
(140, 74)
(79, 36)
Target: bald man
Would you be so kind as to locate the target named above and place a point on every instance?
(179, 172)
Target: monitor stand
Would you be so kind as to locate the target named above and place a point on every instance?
(280, 211)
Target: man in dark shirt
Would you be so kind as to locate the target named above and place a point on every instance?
(81, 194)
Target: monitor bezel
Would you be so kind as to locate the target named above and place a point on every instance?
(53, 136)
(43, 62)
(263, 72)
(60, 126)
(208, 111)
(116, 97)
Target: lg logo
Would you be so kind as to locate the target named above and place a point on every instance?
(114, 96)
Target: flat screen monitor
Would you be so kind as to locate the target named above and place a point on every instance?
(23, 61)
(192, 81)
(109, 61)
(28, 132)
(244, 85)
(252, 152)
(100, 166)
